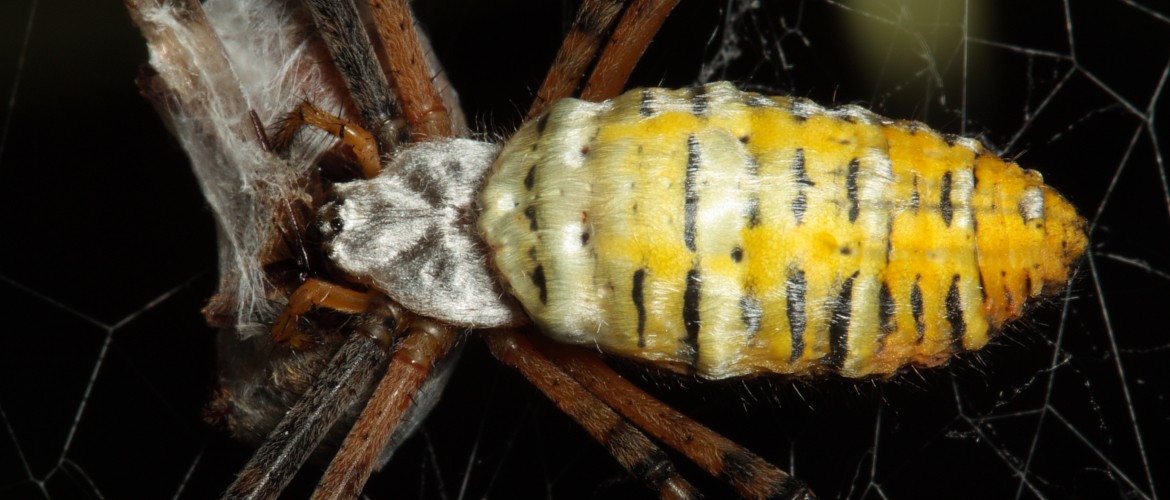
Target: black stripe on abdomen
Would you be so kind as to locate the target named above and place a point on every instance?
(917, 308)
(646, 107)
(691, 204)
(851, 189)
(752, 312)
(690, 312)
(945, 207)
(640, 305)
(839, 325)
(954, 307)
(540, 282)
(699, 104)
(795, 290)
(800, 201)
(887, 310)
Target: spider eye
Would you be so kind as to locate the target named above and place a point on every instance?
(329, 221)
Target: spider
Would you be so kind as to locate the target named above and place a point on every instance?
(389, 313)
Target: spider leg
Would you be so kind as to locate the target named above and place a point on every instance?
(426, 343)
(316, 293)
(640, 21)
(361, 141)
(410, 77)
(626, 46)
(345, 37)
(636, 453)
(749, 474)
(594, 19)
(337, 387)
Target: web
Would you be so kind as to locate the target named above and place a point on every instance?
(109, 253)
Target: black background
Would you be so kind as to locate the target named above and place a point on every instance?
(108, 253)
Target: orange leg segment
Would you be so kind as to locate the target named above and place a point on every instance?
(360, 141)
(316, 293)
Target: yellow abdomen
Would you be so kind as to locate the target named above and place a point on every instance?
(726, 233)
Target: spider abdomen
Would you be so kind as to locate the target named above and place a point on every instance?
(727, 233)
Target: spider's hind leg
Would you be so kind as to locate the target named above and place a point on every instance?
(636, 453)
(748, 473)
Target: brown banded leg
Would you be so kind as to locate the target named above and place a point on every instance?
(594, 20)
(426, 343)
(316, 293)
(638, 26)
(337, 388)
(423, 109)
(640, 22)
(360, 141)
(636, 453)
(750, 475)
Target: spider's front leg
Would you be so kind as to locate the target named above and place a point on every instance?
(317, 293)
(357, 138)
(314, 292)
